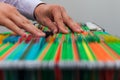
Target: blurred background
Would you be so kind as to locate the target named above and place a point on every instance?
(105, 13)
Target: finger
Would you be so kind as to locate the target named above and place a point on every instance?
(28, 22)
(58, 19)
(38, 30)
(47, 22)
(70, 23)
(12, 26)
(27, 25)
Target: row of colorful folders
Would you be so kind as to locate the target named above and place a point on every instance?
(90, 55)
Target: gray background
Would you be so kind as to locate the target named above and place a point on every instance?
(105, 13)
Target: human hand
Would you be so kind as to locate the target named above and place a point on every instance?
(12, 19)
(55, 17)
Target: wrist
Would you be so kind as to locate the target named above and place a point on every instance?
(37, 9)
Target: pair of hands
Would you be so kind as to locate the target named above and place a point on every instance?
(53, 16)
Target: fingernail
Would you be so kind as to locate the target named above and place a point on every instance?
(41, 34)
(82, 31)
(78, 30)
(28, 39)
(66, 31)
(25, 35)
(55, 31)
(22, 38)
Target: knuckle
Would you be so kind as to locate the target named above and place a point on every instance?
(69, 18)
(3, 21)
(56, 7)
(62, 7)
(27, 22)
(24, 23)
(43, 21)
(12, 9)
(46, 22)
(72, 25)
(20, 30)
(54, 10)
(60, 19)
